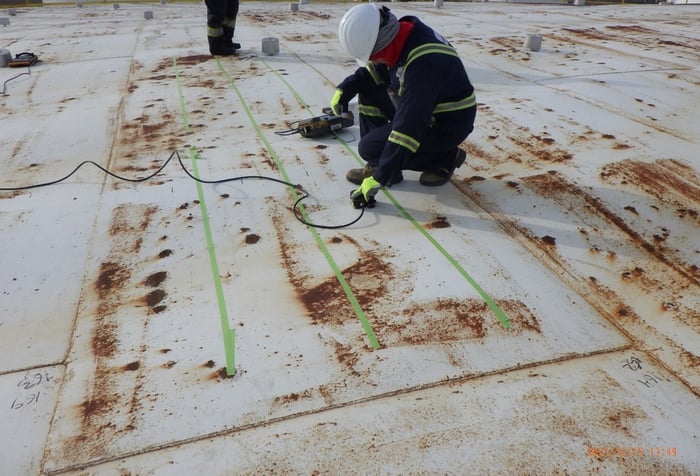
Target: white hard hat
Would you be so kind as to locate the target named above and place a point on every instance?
(358, 31)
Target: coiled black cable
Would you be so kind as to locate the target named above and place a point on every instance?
(297, 213)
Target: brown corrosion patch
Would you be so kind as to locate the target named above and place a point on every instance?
(327, 302)
(94, 406)
(112, 276)
(155, 297)
(102, 402)
(252, 238)
(193, 59)
(549, 240)
(155, 279)
(556, 187)
(590, 33)
(347, 357)
(131, 366)
(439, 222)
(669, 181)
(451, 320)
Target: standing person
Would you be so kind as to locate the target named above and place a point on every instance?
(221, 22)
(416, 102)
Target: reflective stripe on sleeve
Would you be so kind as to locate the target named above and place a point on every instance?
(465, 103)
(404, 141)
(370, 111)
(373, 73)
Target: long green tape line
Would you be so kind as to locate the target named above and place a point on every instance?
(229, 334)
(322, 246)
(495, 308)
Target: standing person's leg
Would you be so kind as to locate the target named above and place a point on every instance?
(216, 13)
(229, 24)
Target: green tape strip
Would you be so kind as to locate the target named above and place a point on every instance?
(500, 314)
(228, 334)
(364, 321)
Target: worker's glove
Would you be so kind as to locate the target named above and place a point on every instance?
(363, 196)
(338, 103)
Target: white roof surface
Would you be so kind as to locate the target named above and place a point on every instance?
(540, 314)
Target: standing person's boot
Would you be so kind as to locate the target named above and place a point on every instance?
(218, 46)
(228, 38)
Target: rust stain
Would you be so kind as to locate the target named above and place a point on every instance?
(669, 181)
(554, 185)
(439, 222)
(155, 297)
(347, 357)
(327, 302)
(452, 320)
(278, 18)
(155, 279)
(252, 238)
(105, 412)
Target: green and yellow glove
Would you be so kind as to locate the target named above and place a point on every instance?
(363, 196)
(336, 106)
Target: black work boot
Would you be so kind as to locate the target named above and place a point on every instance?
(228, 38)
(218, 46)
(437, 177)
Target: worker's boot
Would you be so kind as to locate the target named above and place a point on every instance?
(434, 178)
(356, 176)
(219, 47)
(228, 38)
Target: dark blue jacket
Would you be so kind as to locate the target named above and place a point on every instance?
(434, 91)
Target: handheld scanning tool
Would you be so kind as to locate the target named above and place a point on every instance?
(325, 124)
(360, 202)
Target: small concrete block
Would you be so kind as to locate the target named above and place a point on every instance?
(294, 7)
(116, 6)
(579, 3)
(438, 3)
(4, 21)
(12, 12)
(5, 58)
(533, 42)
(303, 2)
(148, 15)
(163, 2)
(79, 4)
(270, 46)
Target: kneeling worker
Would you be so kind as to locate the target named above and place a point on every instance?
(416, 103)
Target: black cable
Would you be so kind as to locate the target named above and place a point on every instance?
(293, 129)
(4, 85)
(297, 214)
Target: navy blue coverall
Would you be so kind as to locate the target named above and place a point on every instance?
(432, 113)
